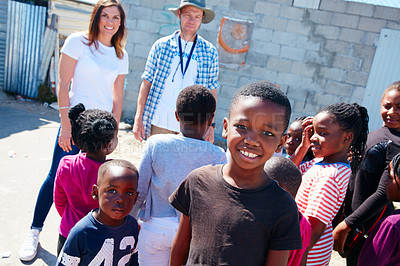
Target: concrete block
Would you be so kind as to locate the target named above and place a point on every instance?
(394, 25)
(267, 8)
(294, 13)
(282, 2)
(359, 92)
(319, 58)
(262, 35)
(274, 23)
(371, 39)
(338, 47)
(142, 37)
(344, 20)
(224, 101)
(360, 9)
(337, 88)
(155, 4)
(324, 99)
(226, 91)
(320, 17)
(285, 38)
(261, 73)
(131, 24)
(371, 25)
(356, 78)
(364, 51)
(243, 6)
(140, 12)
(330, 73)
(387, 13)
(141, 51)
(267, 48)
(256, 59)
(298, 94)
(329, 32)
(243, 80)
(289, 79)
(231, 80)
(303, 41)
(344, 62)
(215, 3)
(148, 26)
(278, 64)
(333, 5)
(137, 64)
(351, 35)
(293, 53)
(313, 4)
(302, 69)
(298, 28)
(165, 16)
(366, 65)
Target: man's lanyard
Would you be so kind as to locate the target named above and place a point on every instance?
(190, 54)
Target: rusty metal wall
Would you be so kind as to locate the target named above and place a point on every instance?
(25, 29)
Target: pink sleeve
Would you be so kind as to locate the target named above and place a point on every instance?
(323, 199)
(60, 197)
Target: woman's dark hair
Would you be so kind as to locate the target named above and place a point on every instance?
(119, 38)
(195, 104)
(92, 129)
(352, 118)
(395, 86)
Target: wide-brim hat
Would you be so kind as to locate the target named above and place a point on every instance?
(208, 13)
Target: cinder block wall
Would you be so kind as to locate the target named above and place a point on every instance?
(317, 56)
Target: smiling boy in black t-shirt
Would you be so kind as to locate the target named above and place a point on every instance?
(234, 214)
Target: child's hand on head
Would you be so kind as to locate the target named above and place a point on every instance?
(307, 131)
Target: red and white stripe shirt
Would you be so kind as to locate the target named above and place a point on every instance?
(321, 193)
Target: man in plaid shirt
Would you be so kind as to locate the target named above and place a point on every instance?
(175, 62)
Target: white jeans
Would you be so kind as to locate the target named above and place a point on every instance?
(155, 240)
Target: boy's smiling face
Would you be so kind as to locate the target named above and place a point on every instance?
(117, 194)
(254, 131)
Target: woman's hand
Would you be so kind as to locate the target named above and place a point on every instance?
(339, 236)
(64, 138)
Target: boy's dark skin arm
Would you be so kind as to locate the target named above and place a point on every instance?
(180, 247)
(277, 257)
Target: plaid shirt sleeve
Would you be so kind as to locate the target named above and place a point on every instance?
(208, 65)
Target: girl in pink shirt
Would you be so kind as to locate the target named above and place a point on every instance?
(95, 133)
(337, 134)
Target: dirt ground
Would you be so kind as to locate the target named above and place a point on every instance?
(27, 134)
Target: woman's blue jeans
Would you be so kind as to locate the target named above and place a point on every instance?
(45, 197)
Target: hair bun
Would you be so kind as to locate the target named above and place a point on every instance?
(75, 111)
(102, 127)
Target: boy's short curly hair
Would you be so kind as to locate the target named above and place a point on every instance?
(285, 172)
(266, 91)
(195, 104)
(91, 129)
(116, 162)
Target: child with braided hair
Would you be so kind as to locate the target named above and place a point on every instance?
(95, 133)
(337, 134)
(382, 246)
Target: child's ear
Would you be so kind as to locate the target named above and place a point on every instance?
(348, 137)
(95, 192)
(176, 116)
(281, 143)
(225, 128)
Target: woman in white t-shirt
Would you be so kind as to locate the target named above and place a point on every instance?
(95, 65)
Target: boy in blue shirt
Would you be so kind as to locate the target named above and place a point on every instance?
(108, 235)
(166, 160)
(234, 214)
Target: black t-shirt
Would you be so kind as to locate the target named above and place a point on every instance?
(232, 226)
(367, 188)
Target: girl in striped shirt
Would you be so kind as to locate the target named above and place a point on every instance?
(337, 134)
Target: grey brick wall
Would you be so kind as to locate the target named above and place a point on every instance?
(317, 56)
(3, 36)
